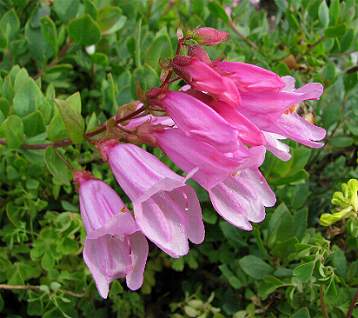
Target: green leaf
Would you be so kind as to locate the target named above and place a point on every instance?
(9, 24)
(255, 267)
(84, 30)
(178, 264)
(334, 10)
(28, 95)
(218, 11)
(72, 119)
(90, 8)
(49, 32)
(110, 20)
(335, 31)
(160, 48)
(66, 9)
(230, 276)
(34, 124)
(304, 271)
(56, 166)
(301, 313)
(75, 102)
(268, 285)
(347, 40)
(339, 261)
(13, 130)
(56, 130)
(323, 14)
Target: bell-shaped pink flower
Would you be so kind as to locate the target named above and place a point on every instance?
(289, 124)
(210, 36)
(211, 166)
(165, 208)
(237, 189)
(242, 198)
(195, 118)
(203, 77)
(191, 154)
(114, 247)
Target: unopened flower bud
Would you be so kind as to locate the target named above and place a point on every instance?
(210, 36)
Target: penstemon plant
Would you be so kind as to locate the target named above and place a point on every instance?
(216, 127)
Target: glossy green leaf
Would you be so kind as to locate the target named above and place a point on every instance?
(84, 30)
(13, 131)
(72, 119)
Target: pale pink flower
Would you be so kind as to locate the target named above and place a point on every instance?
(289, 124)
(114, 247)
(165, 208)
(237, 190)
(242, 198)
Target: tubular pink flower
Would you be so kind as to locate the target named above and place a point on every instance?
(210, 36)
(242, 198)
(247, 131)
(203, 77)
(165, 208)
(189, 153)
(195, 118)
(249, 76)
(114, 247)
(289, 124)
(237, 189)
(211, 165)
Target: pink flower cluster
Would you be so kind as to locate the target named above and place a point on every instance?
(217, 129)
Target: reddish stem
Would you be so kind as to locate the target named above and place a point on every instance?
(170, 73)
(92, 133)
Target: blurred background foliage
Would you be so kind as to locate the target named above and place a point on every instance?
(89, 55)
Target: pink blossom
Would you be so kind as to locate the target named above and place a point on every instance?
(278, 148)
(165, 208)
(242, 198)
(195, 118)
(210, 36)
(114, 247)
(237, 190)
(289, 124)
(248, 76)
(247, 131)
(203, 77)
(190, 153)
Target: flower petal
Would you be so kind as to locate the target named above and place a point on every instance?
(139, 254)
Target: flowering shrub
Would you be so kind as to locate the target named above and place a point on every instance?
(147, 130)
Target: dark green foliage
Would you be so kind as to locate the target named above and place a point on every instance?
(288, 266)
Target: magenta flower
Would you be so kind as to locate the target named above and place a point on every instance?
(210, 36)
(165, 208)
(249, 76)
(114, 247)
(195, 118)
(203, 77)
(247, 131)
